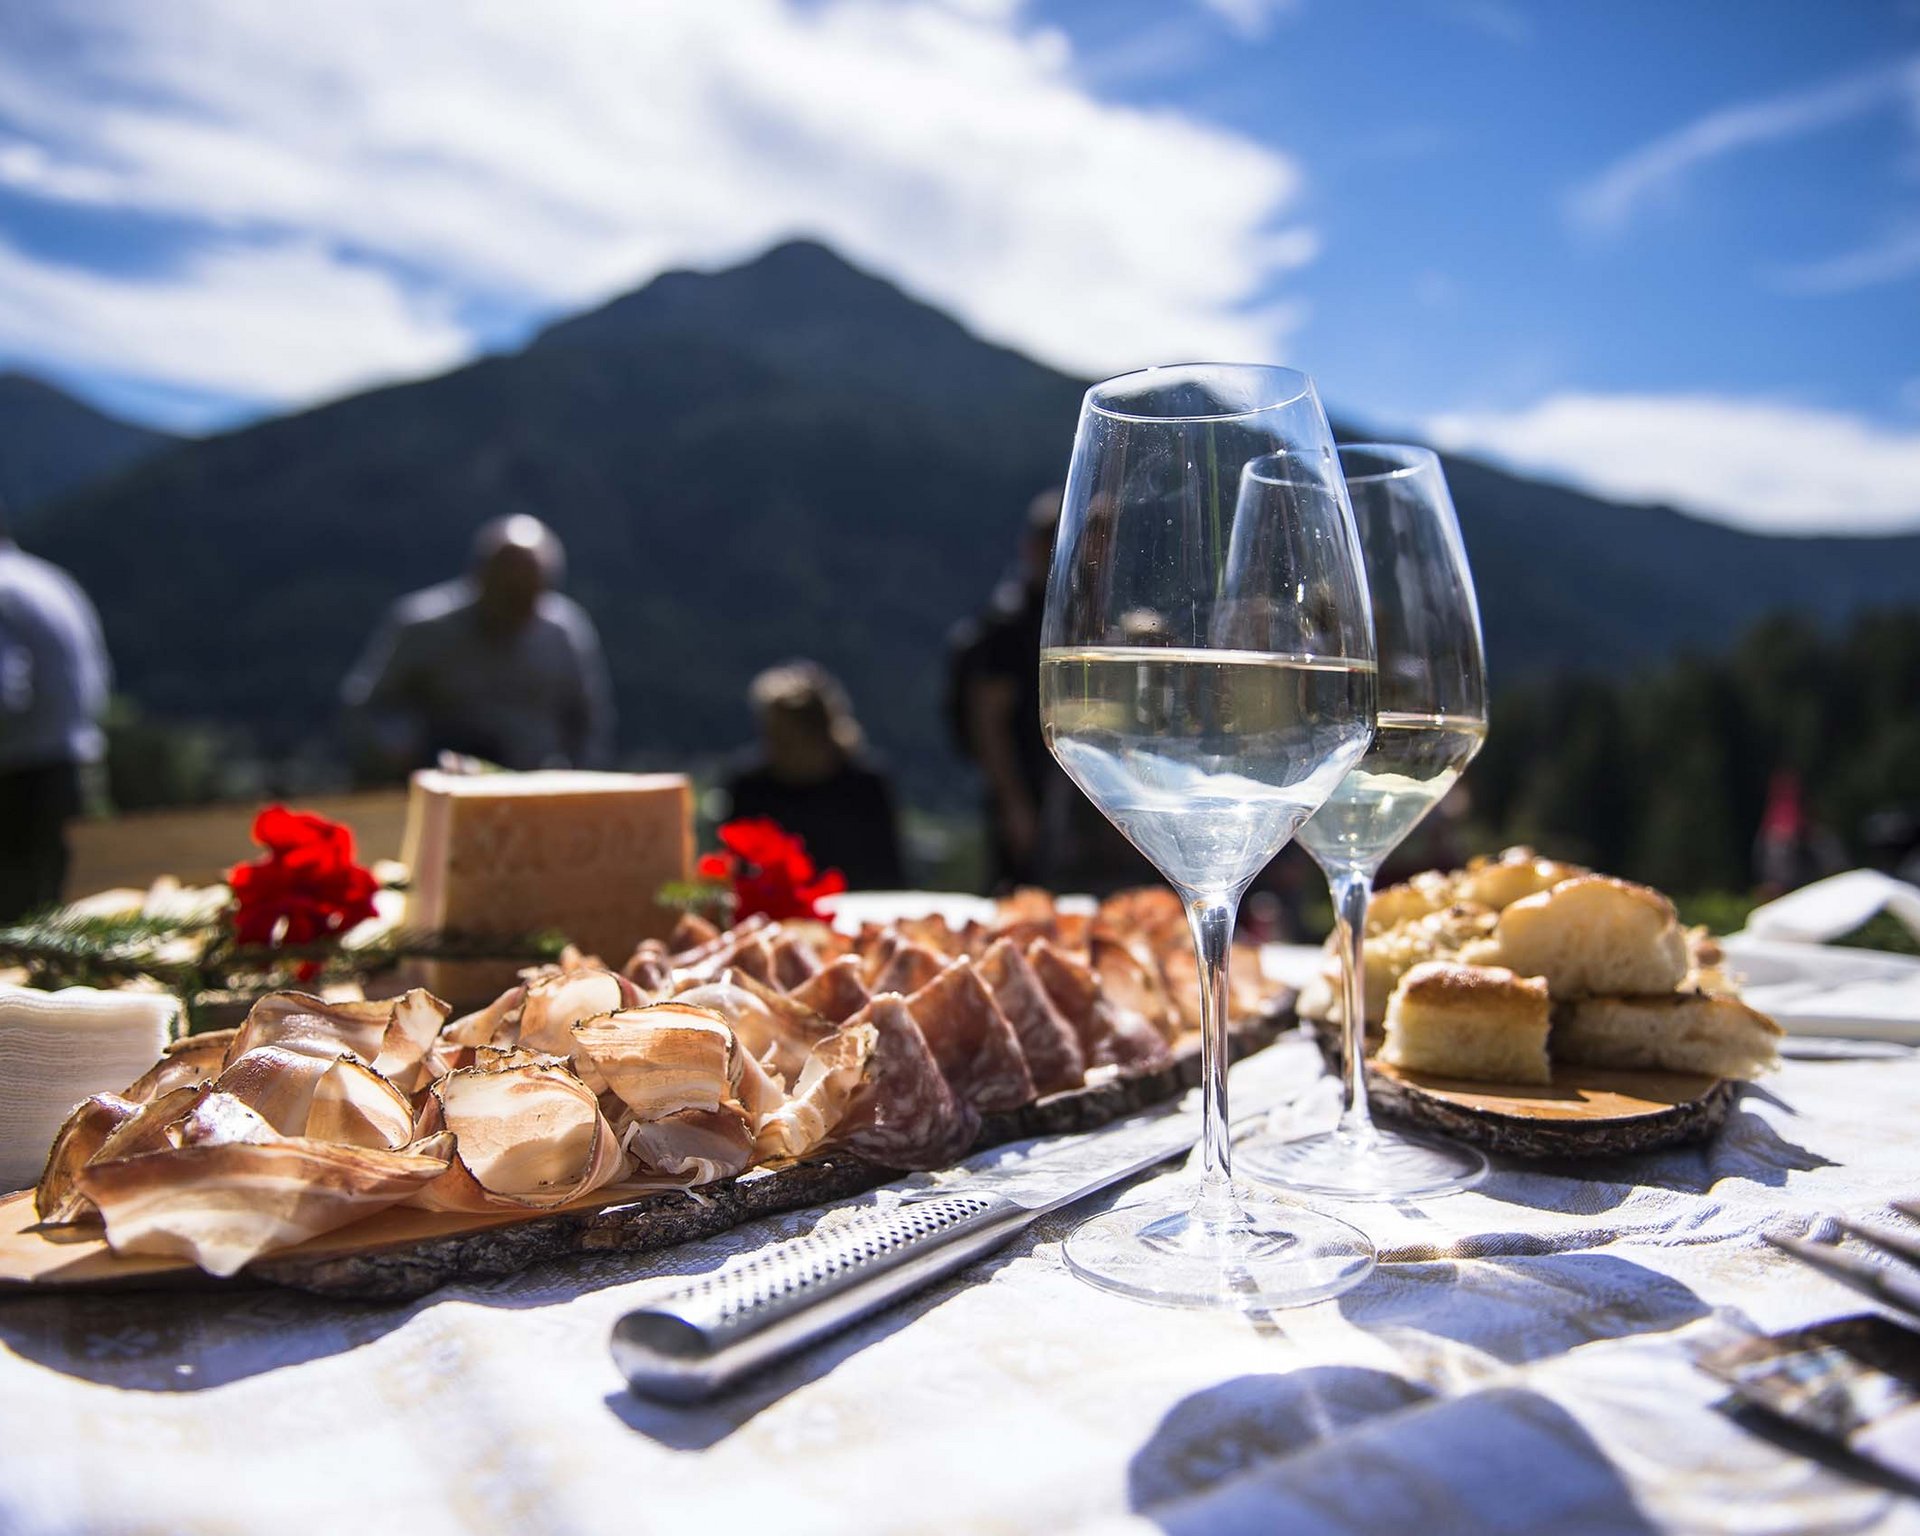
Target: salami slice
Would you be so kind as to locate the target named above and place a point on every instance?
(909, 968)
(794, 960)
(904, 1115)
(1052, 1050)
(1109, 1035)
(975, 1046)
(838, 992)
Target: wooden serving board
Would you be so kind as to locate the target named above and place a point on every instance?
(1583, 1112)
(398, 1254)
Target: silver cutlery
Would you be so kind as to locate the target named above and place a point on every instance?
(1891, 1277)
(698, 1340)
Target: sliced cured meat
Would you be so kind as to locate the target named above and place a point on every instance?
(1131, 980)
(834, 1072)
(691, 932)
(527, 1136)
(794, 960)
(650, 968)
(221, 1203)
(186, 1062)
(837, 992)
(84, 1133)
(1052, 1049)
(1109, 1035)
(1070, 986)
(932, 931)
(774, 1028)
(909, 968)
(976, 1048)
(904, 1115)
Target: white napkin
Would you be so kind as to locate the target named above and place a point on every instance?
(1816, 989)
(56, 1048)
(1832, 908)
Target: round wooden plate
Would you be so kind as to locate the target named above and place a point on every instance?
(1584, 1112)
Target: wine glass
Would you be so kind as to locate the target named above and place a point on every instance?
(1206, 677)
(1432, 719)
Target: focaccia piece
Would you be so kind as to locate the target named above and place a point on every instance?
(1513, 876)
(1480, 1023)
(1387, 956)
(1426, 892)
(1594, 936)
(1720, 1036)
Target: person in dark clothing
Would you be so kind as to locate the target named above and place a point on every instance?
(811, 774)
(995, 707)
(54, 678)
(497, 664)
(1042, 830)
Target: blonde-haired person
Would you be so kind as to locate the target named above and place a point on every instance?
(811, 772)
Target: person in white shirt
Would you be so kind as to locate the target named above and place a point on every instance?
(494, 665)
(54, 679)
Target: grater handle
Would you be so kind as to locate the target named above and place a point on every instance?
(697, 1341)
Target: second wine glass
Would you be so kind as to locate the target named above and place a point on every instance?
(1432, 720)
(1206, 677)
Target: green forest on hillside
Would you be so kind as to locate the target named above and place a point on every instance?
(1662, 775)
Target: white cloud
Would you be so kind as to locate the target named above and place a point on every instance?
(1610, 200)
(543, 157)
(1769, 466)
(1251, 18)
(272, 323)
(1887, 261)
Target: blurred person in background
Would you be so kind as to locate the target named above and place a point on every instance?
(54, 678)
(994, 704)
(497, 665)
(1792, 849)
(811, 773)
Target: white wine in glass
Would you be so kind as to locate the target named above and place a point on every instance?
(1431, 720)
(1207, 679)
(1413, 762)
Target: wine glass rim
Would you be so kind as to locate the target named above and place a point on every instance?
(1415, 457)
(1298, 385)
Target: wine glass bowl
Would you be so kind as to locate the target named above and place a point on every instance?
(1206, 679)
(1431, 720)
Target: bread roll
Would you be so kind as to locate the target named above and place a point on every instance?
(1595, 936)
(1517, 874)
(1387, 956)
(1720, 1036)
(1415, 898)
(1475, 1022)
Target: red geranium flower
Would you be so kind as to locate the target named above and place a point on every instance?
(770, 871)
(307, 887)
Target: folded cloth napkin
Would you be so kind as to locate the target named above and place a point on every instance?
(1832, 908)
(1816, 989)
(56, 1048)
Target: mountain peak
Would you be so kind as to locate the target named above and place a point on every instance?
(52, 442)
(804, 313)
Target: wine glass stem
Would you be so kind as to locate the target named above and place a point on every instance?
(1352, 890)
(1212, 924)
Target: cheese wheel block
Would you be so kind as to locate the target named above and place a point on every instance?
(506, 854)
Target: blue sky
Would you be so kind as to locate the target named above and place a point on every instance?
(1667, 251)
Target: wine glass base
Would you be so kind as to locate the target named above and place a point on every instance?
(1270, 1254)
(1387, 1165)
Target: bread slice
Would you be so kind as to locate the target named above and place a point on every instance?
(1515, 875)
(1481, 1023)
(1415, 898)
(1387, 956)
(1720, 1036)
(1594, 936)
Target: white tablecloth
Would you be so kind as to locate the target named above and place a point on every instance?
(1521, 1364)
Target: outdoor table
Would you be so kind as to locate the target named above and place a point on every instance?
(1521, 1361)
